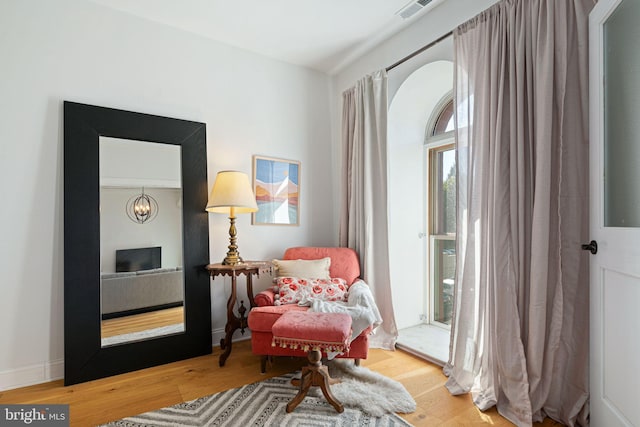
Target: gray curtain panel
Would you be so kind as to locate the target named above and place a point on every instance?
(520, 333)
(363, 214)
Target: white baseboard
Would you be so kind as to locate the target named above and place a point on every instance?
(30, 375)
(54, 370)
(218, 334)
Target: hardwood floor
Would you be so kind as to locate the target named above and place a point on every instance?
(142, 322)
(108, 399)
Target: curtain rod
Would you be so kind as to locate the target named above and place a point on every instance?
(419, 51)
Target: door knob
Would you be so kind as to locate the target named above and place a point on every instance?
(592, 247)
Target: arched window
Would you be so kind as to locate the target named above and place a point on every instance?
(444, 121)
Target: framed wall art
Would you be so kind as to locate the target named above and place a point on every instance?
(276, 184)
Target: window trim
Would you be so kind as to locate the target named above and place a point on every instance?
(433, 144)
(431, 150)
(429, 138)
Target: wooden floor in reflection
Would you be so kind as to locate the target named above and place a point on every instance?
(142, 322)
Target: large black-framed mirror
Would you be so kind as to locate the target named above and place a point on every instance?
(86, 356)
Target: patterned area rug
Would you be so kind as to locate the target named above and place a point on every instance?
(264, 404)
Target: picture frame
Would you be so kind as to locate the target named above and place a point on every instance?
(276, 185)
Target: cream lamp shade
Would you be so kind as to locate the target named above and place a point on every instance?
(232, 194)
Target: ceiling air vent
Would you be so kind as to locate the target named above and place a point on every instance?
(412, 8)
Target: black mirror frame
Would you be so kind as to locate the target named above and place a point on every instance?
(85, 358)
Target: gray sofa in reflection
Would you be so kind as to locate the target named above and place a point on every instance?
(141, 291)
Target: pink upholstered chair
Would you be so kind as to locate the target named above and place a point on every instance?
(344, 264)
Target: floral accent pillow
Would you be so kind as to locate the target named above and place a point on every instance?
(294, 290)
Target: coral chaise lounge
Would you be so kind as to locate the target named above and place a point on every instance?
(344, 264)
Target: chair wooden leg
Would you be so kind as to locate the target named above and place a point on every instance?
(315, 374)
(324, 380)
(305, 382)
(356, 361)
(263, 364)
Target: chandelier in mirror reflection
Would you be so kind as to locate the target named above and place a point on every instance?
(142, 208)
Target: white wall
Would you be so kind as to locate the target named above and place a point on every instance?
(128, 163)
(406, 248)
(80, 51)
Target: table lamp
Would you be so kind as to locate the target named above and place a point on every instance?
(232, 194)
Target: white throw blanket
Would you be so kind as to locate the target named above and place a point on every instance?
(360, 306)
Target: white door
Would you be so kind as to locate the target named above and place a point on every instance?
(615, 212)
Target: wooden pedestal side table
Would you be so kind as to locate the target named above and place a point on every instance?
(248, 268)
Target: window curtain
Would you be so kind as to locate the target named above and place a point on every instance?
(363, 213)
(520, 332)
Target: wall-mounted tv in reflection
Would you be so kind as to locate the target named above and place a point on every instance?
(138, 259)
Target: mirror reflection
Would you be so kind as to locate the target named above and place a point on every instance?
(141, 265)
